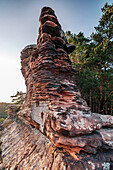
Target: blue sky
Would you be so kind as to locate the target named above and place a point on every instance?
(19, 27)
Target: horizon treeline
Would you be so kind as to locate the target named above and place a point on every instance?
(93, 62)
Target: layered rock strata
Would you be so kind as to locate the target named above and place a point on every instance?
(26, 148)
(55, 106)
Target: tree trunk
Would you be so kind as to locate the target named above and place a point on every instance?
(90, 99)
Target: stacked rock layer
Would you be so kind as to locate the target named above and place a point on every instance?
(25, 148)
(54, 104)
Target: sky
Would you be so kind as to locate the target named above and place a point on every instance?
(19, 27)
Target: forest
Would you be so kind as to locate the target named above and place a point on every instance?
(93, 62)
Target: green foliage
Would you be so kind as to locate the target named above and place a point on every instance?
(19, 98)
(105, 27)
(81, 44)
(1, 120)
(3, 110)
(93, 61)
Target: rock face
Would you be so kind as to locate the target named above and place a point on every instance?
(74, 137)
(25, 148)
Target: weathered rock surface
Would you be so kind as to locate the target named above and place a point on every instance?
(74, 137)
(25, 148)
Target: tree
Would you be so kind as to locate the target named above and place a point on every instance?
(81, 44)
(103, 54)
(19, 98)
(93, 61)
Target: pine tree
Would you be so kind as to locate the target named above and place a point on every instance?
(93, 61)
(19, 98)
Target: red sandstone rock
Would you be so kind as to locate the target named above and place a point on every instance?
(53, 101)
(48, 17)
(55, 106)
(25, 148)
